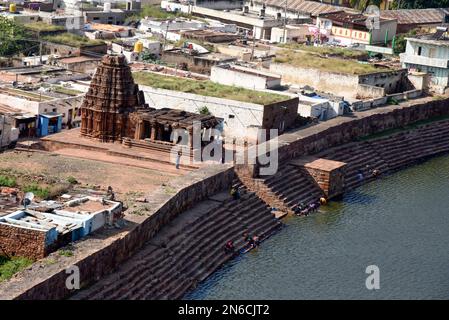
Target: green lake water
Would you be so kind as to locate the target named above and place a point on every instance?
(399, 223)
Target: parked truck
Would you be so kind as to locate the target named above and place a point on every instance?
(8, 134)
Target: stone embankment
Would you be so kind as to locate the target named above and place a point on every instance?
(391, 153)
(177, 254)
(188, 250)
(292, 185)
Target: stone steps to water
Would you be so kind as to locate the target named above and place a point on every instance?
(386, 154)
(178, 260)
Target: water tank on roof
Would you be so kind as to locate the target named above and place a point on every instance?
(12, 8)
(138, 47)
(107, 7)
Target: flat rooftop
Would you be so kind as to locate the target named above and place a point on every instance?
(314, 61)
(206, 88)
(440, 37)
(319, 164)
(39, 93)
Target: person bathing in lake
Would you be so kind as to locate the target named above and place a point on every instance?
(360, 176)
(229, 247)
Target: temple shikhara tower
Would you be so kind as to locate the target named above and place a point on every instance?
(111, 98)
(114, 109)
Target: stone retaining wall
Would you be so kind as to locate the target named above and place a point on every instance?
(345, 129)
(99, 254)
(24, 242)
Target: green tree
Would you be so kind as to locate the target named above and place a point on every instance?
(204, 111)
(420, 4)
(363, 4)
(11, 37)
(401, 41)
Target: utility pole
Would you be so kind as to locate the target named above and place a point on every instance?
(40, 52)
(285, 22)
(165, 38)
(254, 44)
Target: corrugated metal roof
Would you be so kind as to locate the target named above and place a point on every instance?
(416, 16)
(311, 7)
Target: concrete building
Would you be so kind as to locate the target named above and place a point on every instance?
(69, 22)
(429, 54)
(35, 234)
(162, 26)
(107, 31)
(8, 134)
(52, 108)
(295, 8)
(186, 59)
(241, 118)
(21, 16)
(378, 82)
(185, 5)
(257, 23)
(21, 124)
(250, 78)
(83, 64)
(319, 107)
(350, 28)
(103, 13)
(293, 33)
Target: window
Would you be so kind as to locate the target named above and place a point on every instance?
(419, 51)
(54, 110)
(432, 52)
(231, 116)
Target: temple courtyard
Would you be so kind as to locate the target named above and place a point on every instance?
(89, 168)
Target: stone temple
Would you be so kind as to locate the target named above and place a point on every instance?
(114, 109)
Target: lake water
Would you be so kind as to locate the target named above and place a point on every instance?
(399, 223)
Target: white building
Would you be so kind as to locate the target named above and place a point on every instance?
(249, 78)
(319, 107)
(292, 33)
(163, 26)
(8, 134)
(349, 28)
(429, 54)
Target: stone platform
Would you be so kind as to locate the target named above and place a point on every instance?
(70, 143)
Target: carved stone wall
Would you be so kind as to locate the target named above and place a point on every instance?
(111, 98)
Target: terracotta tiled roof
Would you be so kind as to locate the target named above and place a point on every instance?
(311, 7)
(416, 16)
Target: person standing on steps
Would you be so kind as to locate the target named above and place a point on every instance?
(235, 193)
(246, 237)
(178, 159)
(360, 176)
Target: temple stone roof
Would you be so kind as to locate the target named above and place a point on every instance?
(113, 89)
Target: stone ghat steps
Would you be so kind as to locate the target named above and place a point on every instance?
(292, 185)
(389, 154)
(360, 157)
(187, 251)
(414, 147)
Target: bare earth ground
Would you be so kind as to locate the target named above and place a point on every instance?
(123, 178)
